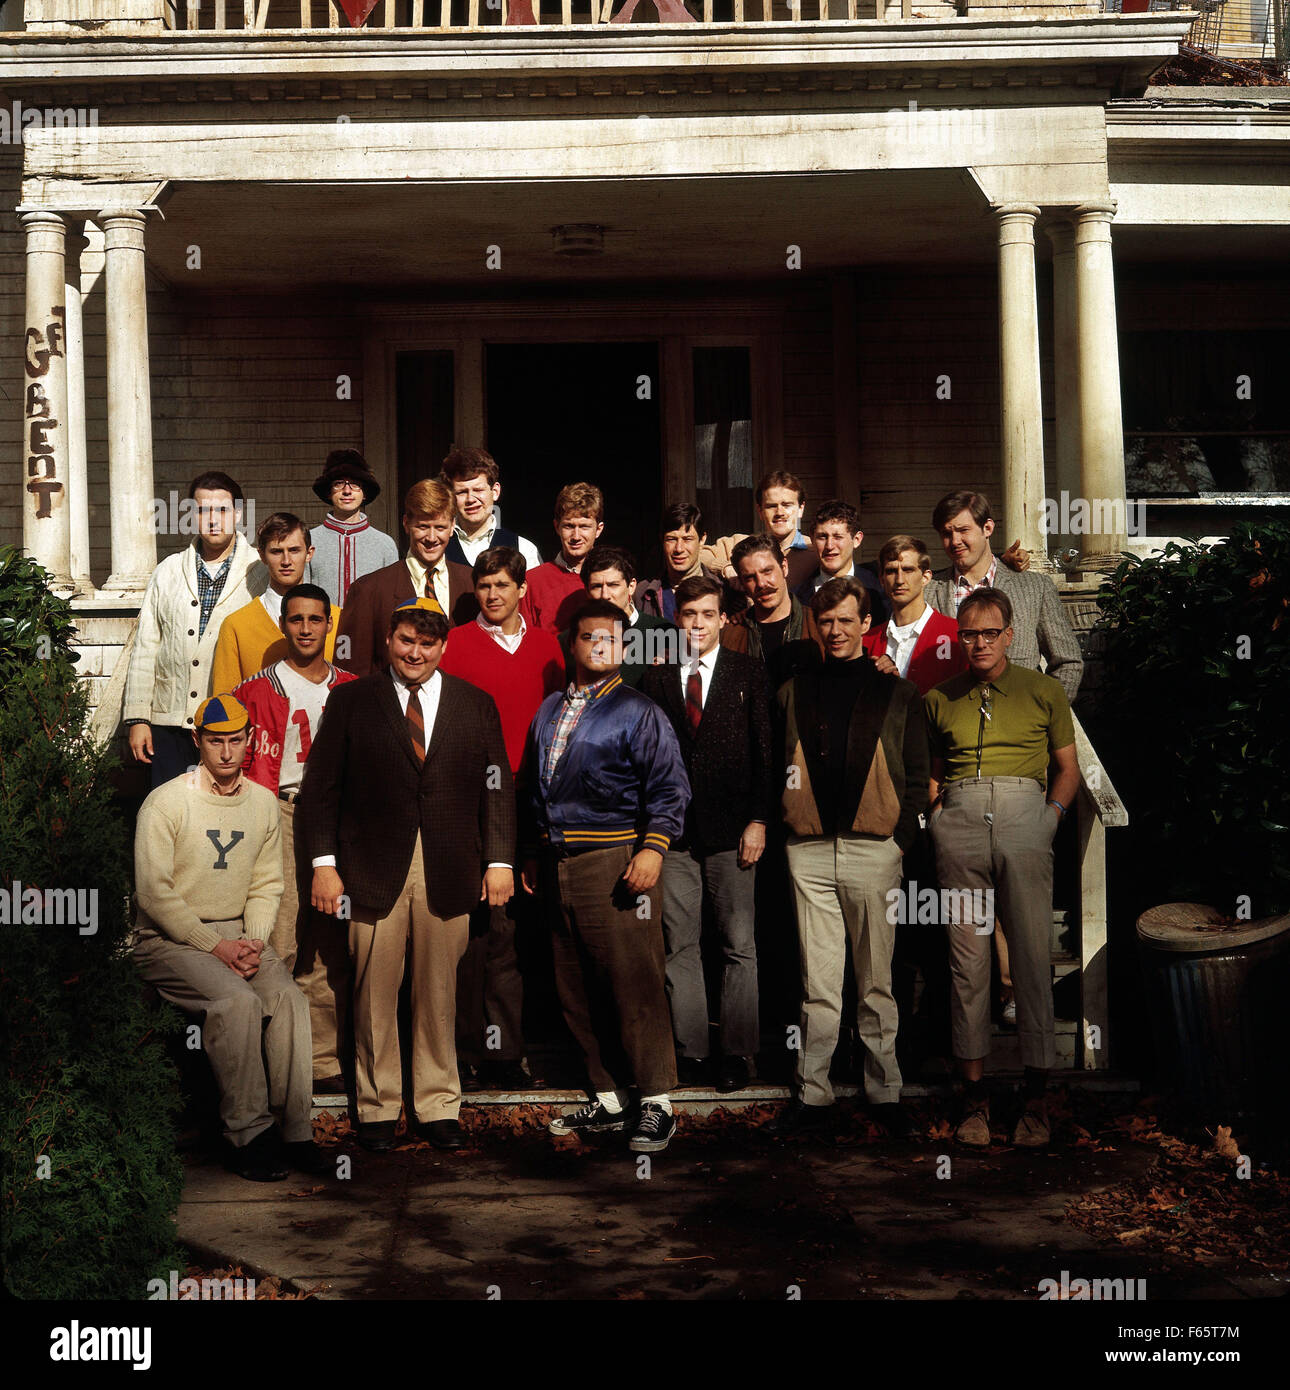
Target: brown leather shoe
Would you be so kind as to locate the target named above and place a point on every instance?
(1031, 1130)
(974, 1127)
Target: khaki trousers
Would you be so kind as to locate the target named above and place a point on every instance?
(840, 887)
(378, 948)
(252, 1028)
(315, 948)
(996, 835)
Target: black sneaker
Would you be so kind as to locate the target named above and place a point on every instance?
(654, 1129)
(592, 1118)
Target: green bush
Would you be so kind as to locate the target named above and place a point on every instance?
(87, 1093)
(1193, 720)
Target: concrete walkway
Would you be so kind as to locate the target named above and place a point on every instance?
(726, 1212)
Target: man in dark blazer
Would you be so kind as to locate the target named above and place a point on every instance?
(407, 813)
(716, 701)
(428, 512)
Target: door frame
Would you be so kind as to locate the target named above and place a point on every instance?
(677, 324)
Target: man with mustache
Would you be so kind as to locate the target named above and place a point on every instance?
(777, 628)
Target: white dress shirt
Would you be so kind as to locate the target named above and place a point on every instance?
(508, 641)
(417, 571)
(901, 641)
(472, 547)
(706, 665)
(821, 579)
(272, 601)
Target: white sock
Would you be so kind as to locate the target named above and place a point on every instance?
(609, 1099)
(658, 1100)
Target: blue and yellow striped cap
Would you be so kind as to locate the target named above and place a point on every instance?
(221, 714)
(431, 605)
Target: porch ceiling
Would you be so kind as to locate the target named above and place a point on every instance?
(285, 237)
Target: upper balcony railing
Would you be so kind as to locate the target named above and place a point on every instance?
(262, 15)
(107, 17)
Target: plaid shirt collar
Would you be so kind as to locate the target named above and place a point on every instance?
(963, 586)
(210, 586)
(575, 704)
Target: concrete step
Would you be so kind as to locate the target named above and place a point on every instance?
(700, 1100)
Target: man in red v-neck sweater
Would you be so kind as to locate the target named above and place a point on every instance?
(519, 665)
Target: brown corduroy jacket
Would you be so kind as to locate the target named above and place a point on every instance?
(365, 618)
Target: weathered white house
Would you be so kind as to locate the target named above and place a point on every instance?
(896, 250)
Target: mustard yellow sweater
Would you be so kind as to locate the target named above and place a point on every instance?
(249, 641)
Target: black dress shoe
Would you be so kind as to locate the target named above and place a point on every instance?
(443, 1134)
(506, 1076)
(692, 1071)
(377, 1136)
(468, 1077)
(893, 1119)
(259, 1161)
(732, 1075)
(797, 1118)
(329, 1085)
(306, 1157)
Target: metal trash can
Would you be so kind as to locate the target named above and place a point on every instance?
(1218, 996)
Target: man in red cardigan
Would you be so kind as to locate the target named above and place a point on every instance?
(923, 646)
(519, 665)
(916, 642)
(555, 590)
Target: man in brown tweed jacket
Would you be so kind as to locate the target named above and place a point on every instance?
(407, 813)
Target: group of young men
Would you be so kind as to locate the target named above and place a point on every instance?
(767, 736)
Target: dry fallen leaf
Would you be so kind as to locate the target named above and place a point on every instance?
(1224, 1145)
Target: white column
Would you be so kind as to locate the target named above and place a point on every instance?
(77, 467)
(1066, 464)
(1101, 428)
(46, 514)
(134, 544)
(1021, 410)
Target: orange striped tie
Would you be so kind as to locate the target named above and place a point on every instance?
(431, 595)
(416, 723)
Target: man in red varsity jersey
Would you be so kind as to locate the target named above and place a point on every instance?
(285, 702)
(519, 665)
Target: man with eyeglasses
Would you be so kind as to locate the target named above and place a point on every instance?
(994, 730)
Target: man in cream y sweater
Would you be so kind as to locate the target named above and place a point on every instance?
(208, 877)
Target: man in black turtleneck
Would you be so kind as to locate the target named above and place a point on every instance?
(856, 766)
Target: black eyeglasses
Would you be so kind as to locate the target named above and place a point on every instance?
(988, 635)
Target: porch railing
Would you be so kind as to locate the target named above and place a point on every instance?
(264, 15)
(1098, 809)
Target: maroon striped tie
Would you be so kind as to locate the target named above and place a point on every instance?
(416, 723)
(694, 699)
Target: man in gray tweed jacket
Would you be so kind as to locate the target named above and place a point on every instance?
(1040, 626)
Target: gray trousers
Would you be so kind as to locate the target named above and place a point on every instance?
(687, 877)
(996, 835)
(841, 887)
(251, 1027)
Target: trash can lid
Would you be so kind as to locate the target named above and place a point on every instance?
(1197, 927)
